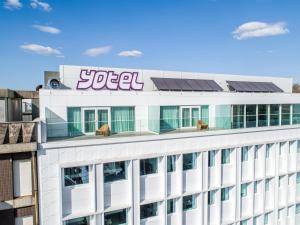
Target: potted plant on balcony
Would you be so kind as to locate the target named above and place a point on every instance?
(3, 129)
(14, 132)
(27, 131)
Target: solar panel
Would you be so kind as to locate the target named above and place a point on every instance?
(175, 84)
(247, 86)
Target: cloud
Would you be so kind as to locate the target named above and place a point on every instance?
(132, 53)
(92, 52)
(47, 29)
(259, 29)
(36, 4)
(12, 4)
(41, 50)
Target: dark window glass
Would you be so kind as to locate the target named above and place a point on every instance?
(171, 206)
(296, 114)
(76, 175)
(148, 166)
(211, 158)
(79, 221)
(189, 202)
(171, 163)
(226, 155)
(189, 161)
(262, 115)
(238, 116)
(250, 115)
(118, 217)
(285, 114)
(274, 115)
(149, 210)
(114, 171)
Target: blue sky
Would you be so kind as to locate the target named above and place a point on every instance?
(255, 37)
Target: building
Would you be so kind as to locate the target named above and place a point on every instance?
(18, 169)
(183, 149)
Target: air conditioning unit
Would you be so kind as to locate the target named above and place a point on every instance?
(51, 80)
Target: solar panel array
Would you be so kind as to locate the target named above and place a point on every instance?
(246, 86)
(176, 84)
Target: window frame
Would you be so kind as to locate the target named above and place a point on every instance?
(76, 185)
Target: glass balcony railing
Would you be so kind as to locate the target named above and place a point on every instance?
(117, 128)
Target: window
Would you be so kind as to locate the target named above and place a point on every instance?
(117, 217)
(296, 113)
(122, 119)
(74, 121)
(274, 115)
(211, 197)
(211, 158)
(186, 117)
(244, 188)
(245, 150)
(266, 219)
(171, 206)
(115, 171)
(171, 163)
(189, 161)
(250, 115)
(267, 184)
(238, 116)
(256, 151)
(79, 221)
(225, 194)
(298, 178)
(244, 222)
(268, 148)
(76, 175)
(298, 209)
(169, 118)
(149, 210)
(281, 146)
(89, 120)
(262, 115)
(189, 202)
(280, 182)
(226, 156)
(148, 166)
(298, 146)
(255, 221)
(255, 186)
(285, 114)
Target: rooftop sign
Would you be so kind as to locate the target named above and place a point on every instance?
(101, 79)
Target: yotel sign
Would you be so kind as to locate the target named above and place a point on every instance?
(100, 79)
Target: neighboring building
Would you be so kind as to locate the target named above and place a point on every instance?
(204, 149)
(18, 169)
(296, 88)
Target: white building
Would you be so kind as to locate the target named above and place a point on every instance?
(157, 168)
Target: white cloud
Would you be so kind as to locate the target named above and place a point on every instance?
(47, 29)
(41, 50)
(259, 29)
(36, 4)
(12, 4)
(132, 53)
(97, 51)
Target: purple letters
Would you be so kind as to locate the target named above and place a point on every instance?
(100, 79)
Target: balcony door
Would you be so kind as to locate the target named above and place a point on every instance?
(189, 116)
(94, 118)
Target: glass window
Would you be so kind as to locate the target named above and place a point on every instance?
(244, 190)
(256, 149)
(281, 179)
(226, 155)
(76, 175)
(195, 116)
(102, 117)
(255, 221)
(171, 163)
(211, 158)
(225, 194)
(205, 114)
(148, 166)
(298, 178)
(74, 121)
(267, 184)
(89, 120)
(255, 186)
(296, 114)
(211, 197)
(274, 115)
(115, 171)
(79, 221)
(169, 118)
(149, 210)
(238, 116)
(189, 161)
(262, 115)
(118, 217)
(171, 206)
(122, 119)
(189, 202)
(185, 117)
(250, 115)
(285, 114)
(298, 209)
(244, 222)
(298, 146)
(266, 219)
(268, 148)
(245, 150)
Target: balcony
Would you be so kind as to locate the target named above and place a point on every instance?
(18, 137)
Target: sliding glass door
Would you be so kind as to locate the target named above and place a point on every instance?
(94, 119)
(89, 120)
(189, 116)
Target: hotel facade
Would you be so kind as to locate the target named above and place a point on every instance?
(179, 148)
